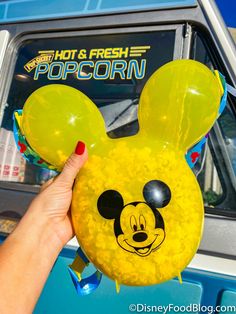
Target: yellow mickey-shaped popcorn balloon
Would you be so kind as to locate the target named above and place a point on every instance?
(137, 208)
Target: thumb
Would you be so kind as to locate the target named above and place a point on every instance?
(73, 164)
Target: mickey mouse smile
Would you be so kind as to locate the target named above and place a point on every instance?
(144, 250)
(147, 246)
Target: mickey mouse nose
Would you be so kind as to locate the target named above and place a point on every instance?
(140, 237)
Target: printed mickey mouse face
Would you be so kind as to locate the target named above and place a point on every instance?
(138, 226)
(140, 235)
(137, 208)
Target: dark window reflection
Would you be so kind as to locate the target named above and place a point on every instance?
(117, 99)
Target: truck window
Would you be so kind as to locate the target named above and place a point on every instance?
(216, 169)
(110, 69)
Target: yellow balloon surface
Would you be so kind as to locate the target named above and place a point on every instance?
(111, 240)
(51, 122)
(137, 208)
(179, 103)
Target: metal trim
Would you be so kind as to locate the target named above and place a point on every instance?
(4, 39)
(221, 33)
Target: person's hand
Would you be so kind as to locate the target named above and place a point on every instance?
(30, 251)
(53, 202)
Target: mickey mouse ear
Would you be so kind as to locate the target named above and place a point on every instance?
(55, 117)
(180, 103)
(110, 204)
(157, 193)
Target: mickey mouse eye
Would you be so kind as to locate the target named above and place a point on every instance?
(142, 222)
(157, 193)
(133, 223)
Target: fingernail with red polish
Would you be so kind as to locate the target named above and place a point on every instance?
(80, 148)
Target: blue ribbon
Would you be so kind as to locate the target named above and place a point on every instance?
(86, 285)
(23, 146)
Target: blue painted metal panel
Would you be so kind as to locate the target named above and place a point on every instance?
(59, 295)
(137, 4)
(2, 11)
(228, 300)
(213, 284)
(26, 10)
(42, 8)
(198, 288)
(228, 11)
(93, 5)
